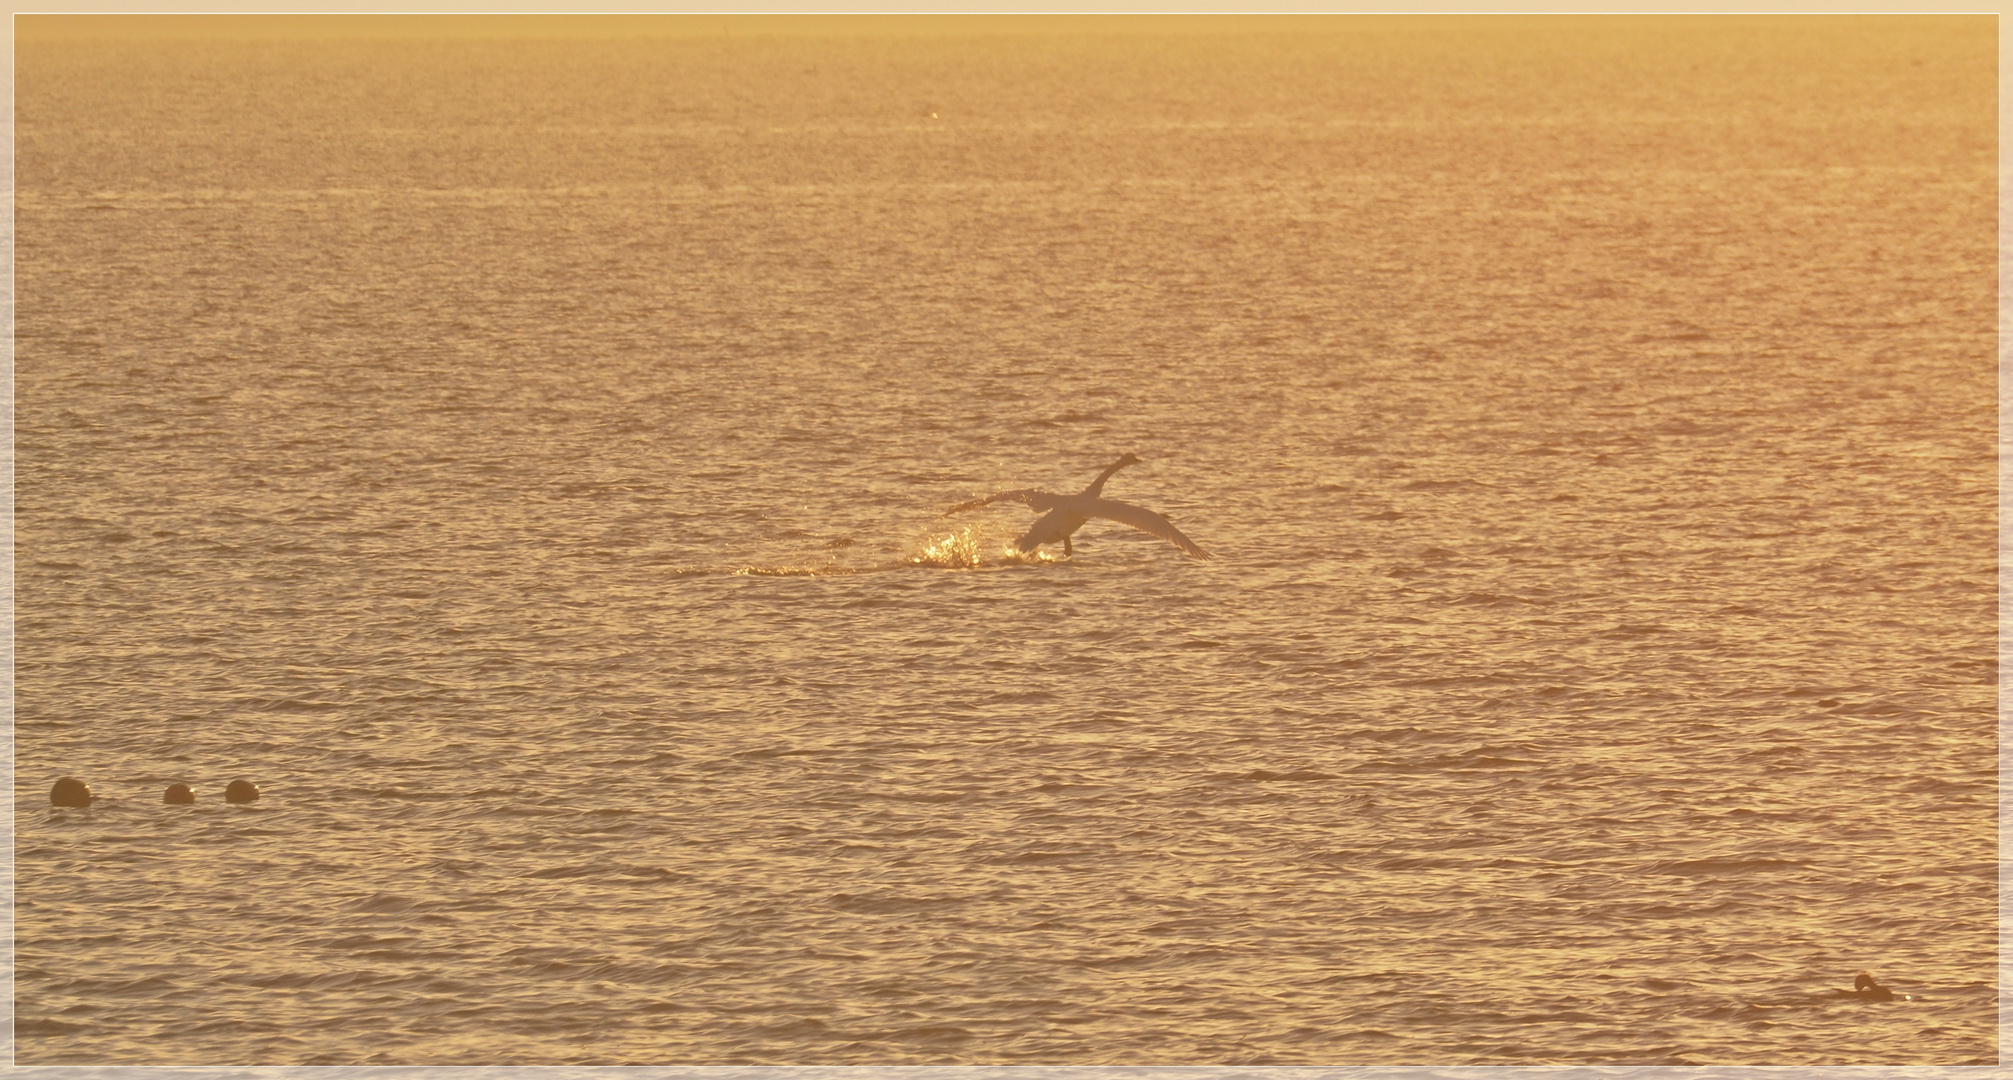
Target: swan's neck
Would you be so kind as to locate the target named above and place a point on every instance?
(1096, 487)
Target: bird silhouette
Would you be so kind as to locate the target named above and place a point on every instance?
(1062, 515)
(1865, 989)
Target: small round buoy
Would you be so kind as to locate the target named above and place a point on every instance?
(70, 791)
(241, 791)
(179, 793)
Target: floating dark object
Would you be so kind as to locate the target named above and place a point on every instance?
(178, 794)
(1864, 988)
(70, 791)
(241, 791)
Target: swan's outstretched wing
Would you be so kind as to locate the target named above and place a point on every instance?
(1041, 502)
(1145, 521)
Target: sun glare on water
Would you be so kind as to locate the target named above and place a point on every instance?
(966, 550)
(958, 551)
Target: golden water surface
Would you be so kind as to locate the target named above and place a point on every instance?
(521, 448)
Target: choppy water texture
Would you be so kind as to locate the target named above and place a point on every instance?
(525, 460)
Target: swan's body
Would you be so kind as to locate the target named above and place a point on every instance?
(1063, 515)
(1865, 989)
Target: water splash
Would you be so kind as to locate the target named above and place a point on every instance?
(828, 570)
(958, 551)
(966, 549)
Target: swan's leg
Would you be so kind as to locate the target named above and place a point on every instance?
(1066, 549)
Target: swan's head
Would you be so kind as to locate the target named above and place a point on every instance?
(1129, 459)
(1864, 982)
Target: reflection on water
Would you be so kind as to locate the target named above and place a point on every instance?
(958, 551)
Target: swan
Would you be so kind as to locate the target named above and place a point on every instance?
(1062, 515)
(1865, 989)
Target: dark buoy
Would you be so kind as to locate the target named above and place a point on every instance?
(241, 791)
(69, 791)
(179, 793)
